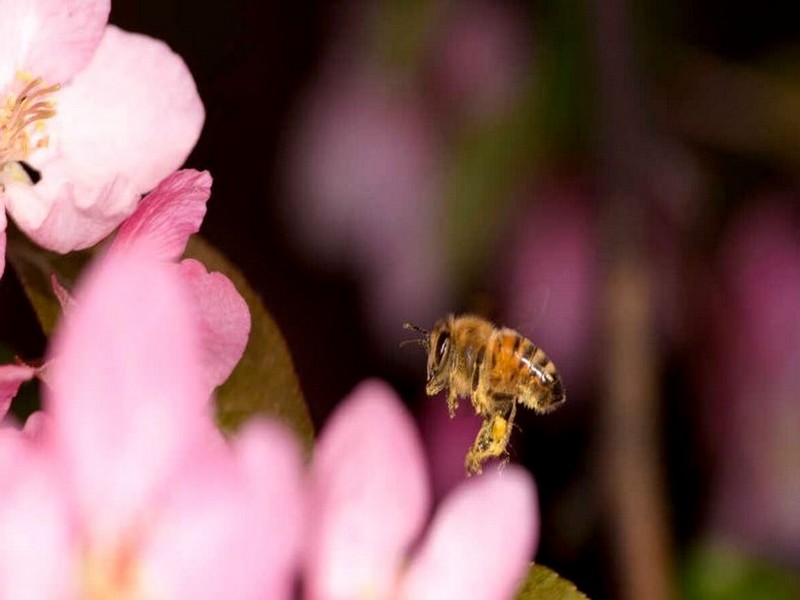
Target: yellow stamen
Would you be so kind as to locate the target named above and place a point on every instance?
(22, 119)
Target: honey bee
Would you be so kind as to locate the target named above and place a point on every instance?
(497, 368)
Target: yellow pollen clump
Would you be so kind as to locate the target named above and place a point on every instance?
(22, 116)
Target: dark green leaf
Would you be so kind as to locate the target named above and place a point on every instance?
(544, 584)
(715, 573)
(264, 382)
(34, 266)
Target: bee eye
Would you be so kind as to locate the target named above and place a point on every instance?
(441, 346)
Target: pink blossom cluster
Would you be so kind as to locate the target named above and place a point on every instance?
(124, 488)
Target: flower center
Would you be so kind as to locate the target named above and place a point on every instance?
(22, 124)
(110, 575)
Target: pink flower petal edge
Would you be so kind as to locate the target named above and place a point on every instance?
(222, 317)
(231, 529)
(144, 81)
(11, 377)
(51, 38)
(169, 214)
(370, 495)
(481, 541)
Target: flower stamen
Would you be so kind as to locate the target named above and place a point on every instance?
(22, 117)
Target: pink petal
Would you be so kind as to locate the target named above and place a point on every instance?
(64, 298)
(65, 211)
(36, 554)
(480, 542)
(169, 214)
(369, 494)
(36, 425)
(51, 39)
(231, 526)
(11, 377)
(127, 395)
(222, 318)
(134, 110)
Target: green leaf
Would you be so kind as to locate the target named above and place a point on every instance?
(544, 584)
(34, 266)
(264, 382)
(718, 573)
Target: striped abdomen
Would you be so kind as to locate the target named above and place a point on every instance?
(513, 366)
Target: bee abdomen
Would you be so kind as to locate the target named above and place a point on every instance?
(519, 364)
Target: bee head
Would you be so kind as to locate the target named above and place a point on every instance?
(439, 354)
(437, 345)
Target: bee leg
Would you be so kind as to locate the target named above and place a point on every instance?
(452, 403)
(503, 434)
(492, 440)
(477, 453)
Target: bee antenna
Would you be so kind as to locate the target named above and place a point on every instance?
(419, 341)
(423, 341)
(416, 328)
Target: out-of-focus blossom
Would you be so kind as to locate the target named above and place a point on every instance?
(366, 193)
(550, 279)
(369, 489)
(101, 115)
(129, 491)
(482, 59)
(753, 417)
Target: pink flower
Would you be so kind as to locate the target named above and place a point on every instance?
(366, 186)
(482, 58)
(100, 114)
(753, 414)
(129, 490)
(371, 498)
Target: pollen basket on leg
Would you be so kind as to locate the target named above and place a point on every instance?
(23, 116)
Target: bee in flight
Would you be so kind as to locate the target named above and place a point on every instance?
(496, 369)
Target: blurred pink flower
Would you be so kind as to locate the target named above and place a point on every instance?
(550, 278)
(483, 58)
(366, 193)
(371, 500)
(101, 114)
(129, 490)
(753, 417)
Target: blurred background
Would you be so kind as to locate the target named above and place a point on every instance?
(618, 181)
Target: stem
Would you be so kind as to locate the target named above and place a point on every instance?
(629, 433)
